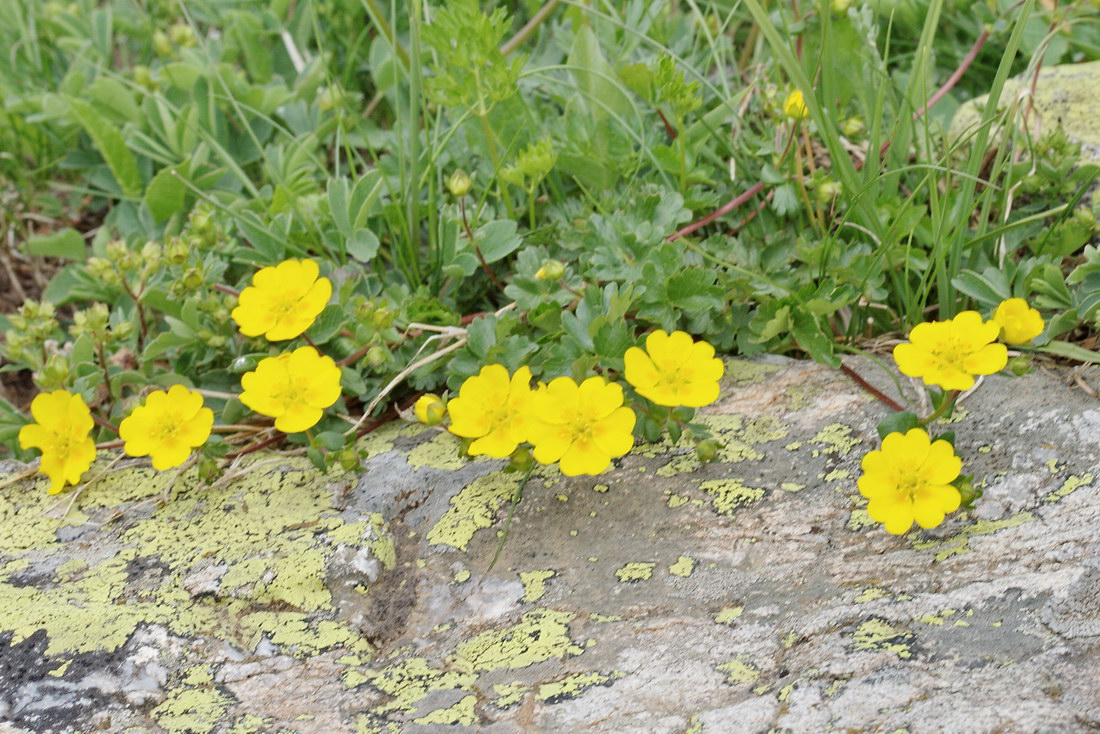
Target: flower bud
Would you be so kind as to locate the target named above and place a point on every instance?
(795, 106)
(1020, 366)
(827, 190)
(117, 251)
(143, 77)
(377, 355)
(459, 183)
(151, 253)
(382, 318)
(840, 6)
(430, 409)
(520, 460)
(192, 279)
(177, 251)
(968, 492)
(349, 459)
(161, 43)
(707, 450)
(181, 35)
(101, 269)
(551, 270)
(853, 127)
(53, 374)
(330, 98)
(1085, 217)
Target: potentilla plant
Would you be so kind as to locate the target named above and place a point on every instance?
(916, 476)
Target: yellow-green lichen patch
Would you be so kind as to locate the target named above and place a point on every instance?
(461, 576)
(461, 714)
(192, 710)
(371, 533)
(534, 584)
(472, 509)
(792, 487)
(371, 724)
(600, 488)
(959, 543)
(730, 494)
(441, 451)
(410, 680)
(1071, 485)
(835, 438)
(802, 395)
(837, 475)
(695, 726)
(604, 618)
(726, 615)
(859, 519)
(876, 635)
(509, 694)
(572, 686)
(676, 500)
(684, 566)
(871, 593)
(739, 670)
(542, 634)
(937, 619)
(741, 373)
(636, 571)
(957, 416)
(250, 724)
(737, 437)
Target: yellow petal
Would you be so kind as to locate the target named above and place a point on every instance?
(940, 466)
(640, 370)
(297, 418)
(584, 457)
(988, 360)
(497, 444)
(614, 435)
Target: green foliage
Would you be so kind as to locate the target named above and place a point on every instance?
(173, 149)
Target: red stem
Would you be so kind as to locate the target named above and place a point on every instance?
(888, 402)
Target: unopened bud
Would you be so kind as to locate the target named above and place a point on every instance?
(377, 355)
(117, 251)
(430, 409)
(707, 450)
(349, 459)
(161, 43)
(1020, 365)
(520, 460)
(826, 191)
(459, 183)
(181, 35)
(54, 373)
(1085, 217)
(551, 270)
(853, 127)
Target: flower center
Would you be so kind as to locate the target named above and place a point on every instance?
(908, 485)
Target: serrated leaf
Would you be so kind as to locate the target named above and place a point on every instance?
(813, 340)
(66, 243)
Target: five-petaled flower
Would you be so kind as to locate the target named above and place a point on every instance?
(283, 300)
(673, 370)
(1019, 322)
(795, 106)
(167, 427)
(62, 432)
(583, 426)
(493, 409)
(294, 388)
(910, 479)
(949, 353)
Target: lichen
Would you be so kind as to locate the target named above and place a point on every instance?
(684, 566)
(542, 634)
(876, 635)
(572, 686)
(636, 571)
(1069, 486)
(739, 670)
(959, 543)
(472, 509)
(726, 615)
(730, 494)
(461, 714)
(534, 584)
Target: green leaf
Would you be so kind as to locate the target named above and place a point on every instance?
(897, 423)
(497, 239)
(327, 325)
(66, 243)
(111, 145)
(162, 343)
(817, 343)
(331, 440)
(481, 335)
(1071, 351)
(167, 192)
(989, 288)
(363, 245)
(595, 77)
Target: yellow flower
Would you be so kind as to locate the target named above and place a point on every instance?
(910, 479)
(293, 388)
(583, 426)
(283, 300)
(674, 371)
(795, 106)
(167, 427)
(949, 353)
(1019, 322)
(430, 409)
(62, 432)
(494, 409)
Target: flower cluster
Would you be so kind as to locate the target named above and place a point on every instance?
(582, 426)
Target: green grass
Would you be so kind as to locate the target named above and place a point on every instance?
(237, 133)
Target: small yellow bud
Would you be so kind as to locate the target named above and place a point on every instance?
(795, 106)
(161, 43)
(459, 183)
(430, 409)
(707, 450)
(551, 270)
(181, 35)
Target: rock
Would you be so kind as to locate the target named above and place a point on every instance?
(749, 594)
(1066, 96)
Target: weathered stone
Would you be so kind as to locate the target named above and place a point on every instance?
(748, 594)
(1066, 96)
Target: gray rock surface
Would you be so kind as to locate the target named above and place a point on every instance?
(752, 594)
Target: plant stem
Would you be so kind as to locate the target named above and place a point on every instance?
(516, 497)
(536, 20)
(874, 391)
(945, 406)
